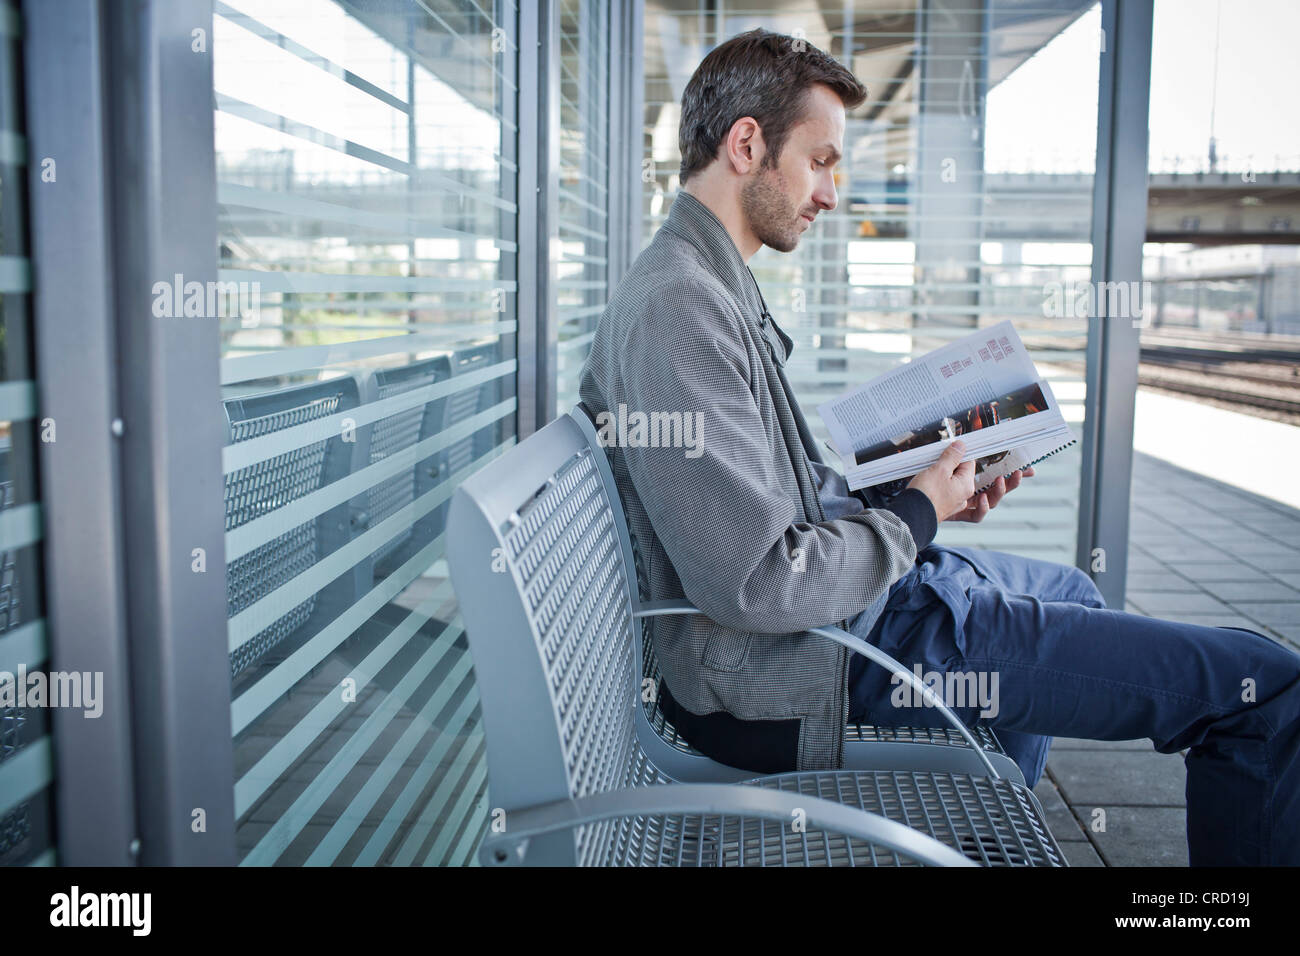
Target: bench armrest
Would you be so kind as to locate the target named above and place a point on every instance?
(841, 636)
(733, 800)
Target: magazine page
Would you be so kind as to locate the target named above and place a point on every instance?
(981, 387)
(1038, 420)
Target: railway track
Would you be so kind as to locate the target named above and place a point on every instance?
(1256, 371)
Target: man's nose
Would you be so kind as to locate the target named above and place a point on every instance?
(824, 195)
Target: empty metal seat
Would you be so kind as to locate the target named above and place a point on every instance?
(285, 476)
(543, 569)
(395, 433)
(14, 822)
(465, 403)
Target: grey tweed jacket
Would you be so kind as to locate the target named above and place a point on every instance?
(734, 523)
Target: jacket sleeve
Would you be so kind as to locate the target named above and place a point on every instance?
(910, 504)
(718, 507)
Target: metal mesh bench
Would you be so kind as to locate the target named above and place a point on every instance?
(465, 403)
(393, 434)
(285, 476)
(14, 823)
(543, 569)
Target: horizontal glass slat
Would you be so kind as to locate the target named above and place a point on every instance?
(248, 623)
(453, 815)
(289, 45)
(17, 401)
(254, 701)
(25, 646)
(247, 368)
(20, 526)
(15, 274)
(294, 742)
(382, 776)
(248, 537)
(247, 453)
(405, 802)
(26, 773)
(308, 282)
(297, 207)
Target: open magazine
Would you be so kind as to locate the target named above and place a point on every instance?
(982, 388)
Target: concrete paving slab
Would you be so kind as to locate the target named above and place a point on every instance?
(1060, 820)
(1161, 581)
(1227, 619)
(1079, 743)
(1216, 570)
(1112, 778)
(1081, 854)
(1158, 603)
(1270, 612)
(1230, 591)
(1140, 836)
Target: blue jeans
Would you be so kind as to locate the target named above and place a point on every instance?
(1063, 664)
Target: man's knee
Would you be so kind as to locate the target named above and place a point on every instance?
(1086, 589)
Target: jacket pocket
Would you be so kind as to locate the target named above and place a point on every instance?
(726, 650)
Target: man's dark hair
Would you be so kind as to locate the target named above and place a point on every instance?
(760, 74)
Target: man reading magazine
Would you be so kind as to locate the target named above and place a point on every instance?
(756, 530)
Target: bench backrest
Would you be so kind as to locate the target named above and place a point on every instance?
(540, 560)
(465, 403)
(260, 489)
(396, 433)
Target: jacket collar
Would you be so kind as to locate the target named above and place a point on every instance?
(695, 222)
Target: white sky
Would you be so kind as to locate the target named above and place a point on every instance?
(1043, 116)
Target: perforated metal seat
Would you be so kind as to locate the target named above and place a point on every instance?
(393, 434)
(15, 823)
(281, 478)
(542, 566)
(464, 403)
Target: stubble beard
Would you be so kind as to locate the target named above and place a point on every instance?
(771, 215)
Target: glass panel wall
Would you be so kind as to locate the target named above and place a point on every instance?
(965, 198)
(366, 166)
(26, 766)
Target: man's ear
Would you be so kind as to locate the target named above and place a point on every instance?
(744, 147)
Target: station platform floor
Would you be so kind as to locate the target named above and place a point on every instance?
(1214, 538)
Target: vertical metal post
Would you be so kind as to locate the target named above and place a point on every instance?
(1118, 232)
(80, 488)
(634, 125)
(163, 181)
(626, 132)
(539, 173)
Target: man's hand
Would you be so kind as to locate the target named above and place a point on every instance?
(949, 483)
(980, 505)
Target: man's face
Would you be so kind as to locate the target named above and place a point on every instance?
(781, 202)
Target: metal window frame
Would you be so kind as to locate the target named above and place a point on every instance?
(84, 580)
(123, 102)
(159, 91)
(1119, 210)
(626, 135)
(539, 177)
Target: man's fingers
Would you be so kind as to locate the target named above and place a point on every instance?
(996, 491)
(951, 456)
